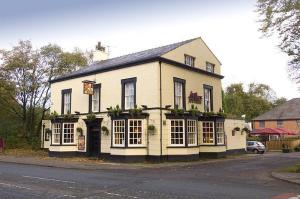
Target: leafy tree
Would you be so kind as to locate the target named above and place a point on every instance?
(24, 76)
(282, 17)
(258, 99)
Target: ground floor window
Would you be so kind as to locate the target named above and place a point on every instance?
(56, 129)
(220, 132)
(119, 133)
(68, 133)
(192, 132)
(208, 132)
(135, 132)
(177, 132)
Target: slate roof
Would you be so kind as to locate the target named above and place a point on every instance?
(288, 110)
(124, 60)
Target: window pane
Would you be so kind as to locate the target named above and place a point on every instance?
(208, 133)
(135, 132)
(129, 95)
(177, 132)
(118, 132)
(178, 95)
(96, 100)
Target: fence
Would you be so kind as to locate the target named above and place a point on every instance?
(277, 144)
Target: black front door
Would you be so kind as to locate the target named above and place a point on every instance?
(94, 141)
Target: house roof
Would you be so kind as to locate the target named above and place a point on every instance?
(116, 62)
(288, 110)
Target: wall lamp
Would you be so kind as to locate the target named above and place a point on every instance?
(168, 106)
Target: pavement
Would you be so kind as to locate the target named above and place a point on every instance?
(289, 177)
(234, 178)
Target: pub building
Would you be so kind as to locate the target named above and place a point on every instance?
(161, 104)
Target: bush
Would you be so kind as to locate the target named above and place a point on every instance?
(297, 149)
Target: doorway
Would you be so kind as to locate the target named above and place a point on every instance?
(94, 140)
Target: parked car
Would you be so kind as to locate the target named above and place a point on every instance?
(255, 147)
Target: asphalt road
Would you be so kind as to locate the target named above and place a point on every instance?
(238, 178)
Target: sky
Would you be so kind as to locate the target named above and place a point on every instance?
(229, 28)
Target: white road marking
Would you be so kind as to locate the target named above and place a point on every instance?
(70, 196)
(49, 179)
(16, 186)
(120, 195)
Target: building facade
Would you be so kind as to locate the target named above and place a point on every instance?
(286, 116)
(158, 104)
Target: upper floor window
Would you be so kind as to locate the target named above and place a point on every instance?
(95, 99)
(262, 124)
(208, 97)
(128, 93)
(179, 93)
(189, 60)
(66, 101)
(210, 67)
(279, 123)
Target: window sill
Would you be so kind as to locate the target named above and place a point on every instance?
(196, 146)
(128, 147)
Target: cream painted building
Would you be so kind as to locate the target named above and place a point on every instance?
(167, 97)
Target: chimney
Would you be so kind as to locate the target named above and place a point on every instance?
(100, 53)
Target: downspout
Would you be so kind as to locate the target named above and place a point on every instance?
(160, 108)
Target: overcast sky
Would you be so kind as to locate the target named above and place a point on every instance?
(228, 27)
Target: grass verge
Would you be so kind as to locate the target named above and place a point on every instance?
(292, 169)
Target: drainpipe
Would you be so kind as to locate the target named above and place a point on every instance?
(160, 108)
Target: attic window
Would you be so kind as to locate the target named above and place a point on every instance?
(189, 60)
(210, 67)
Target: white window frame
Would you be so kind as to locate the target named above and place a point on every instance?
(178, 95)
(183, 132)
(96, 100)
(129, 132)
(192, 130)
(64, 134)
(129, 93)
(119, 132)
(220, 134)
(189, 60)
(56, 131)
(210, 132)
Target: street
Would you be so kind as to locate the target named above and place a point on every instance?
(234, 178)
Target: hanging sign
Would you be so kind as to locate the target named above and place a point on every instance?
(195, 98)
(88, 87)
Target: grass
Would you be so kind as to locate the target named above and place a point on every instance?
(292, 169)
(25, 153)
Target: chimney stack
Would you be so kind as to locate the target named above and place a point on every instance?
(100, 53)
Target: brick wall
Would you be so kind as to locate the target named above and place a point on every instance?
(287, 124)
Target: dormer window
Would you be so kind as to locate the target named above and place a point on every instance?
(189, 60)
(210, 67)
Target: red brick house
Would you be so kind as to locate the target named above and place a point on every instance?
(285, 116)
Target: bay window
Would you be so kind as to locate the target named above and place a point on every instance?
(68, 133)
(207, 132)
(119, 133)
(56, 129)
(220, 132)
(135, 132)
(192, 132)
(177, 133)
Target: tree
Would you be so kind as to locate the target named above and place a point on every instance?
(258, 99)
(282, 17)
(25, 75)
